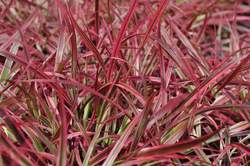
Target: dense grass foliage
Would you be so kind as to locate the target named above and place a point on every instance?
(124, 82)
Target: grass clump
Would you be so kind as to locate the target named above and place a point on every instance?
(124, 82)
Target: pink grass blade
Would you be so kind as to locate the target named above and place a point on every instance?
(89, 44)
(73, 45)
(60, 49)
(154, 19)
(34, 69)
(132, 91)
(144, 119)
(19, 156)
(62, 151)
(120, 143)
(234, 72)
(203, 63)
(162, 150)
(122, 32)
(177, 56)
(8, 63)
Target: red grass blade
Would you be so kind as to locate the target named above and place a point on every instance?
(144, 119)
(120, 143)
(62, 151)
(19, 156)
(122, 32)
(88, 43)
(154, 20)
(162, 150)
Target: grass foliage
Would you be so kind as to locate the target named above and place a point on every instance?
(124, 82)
